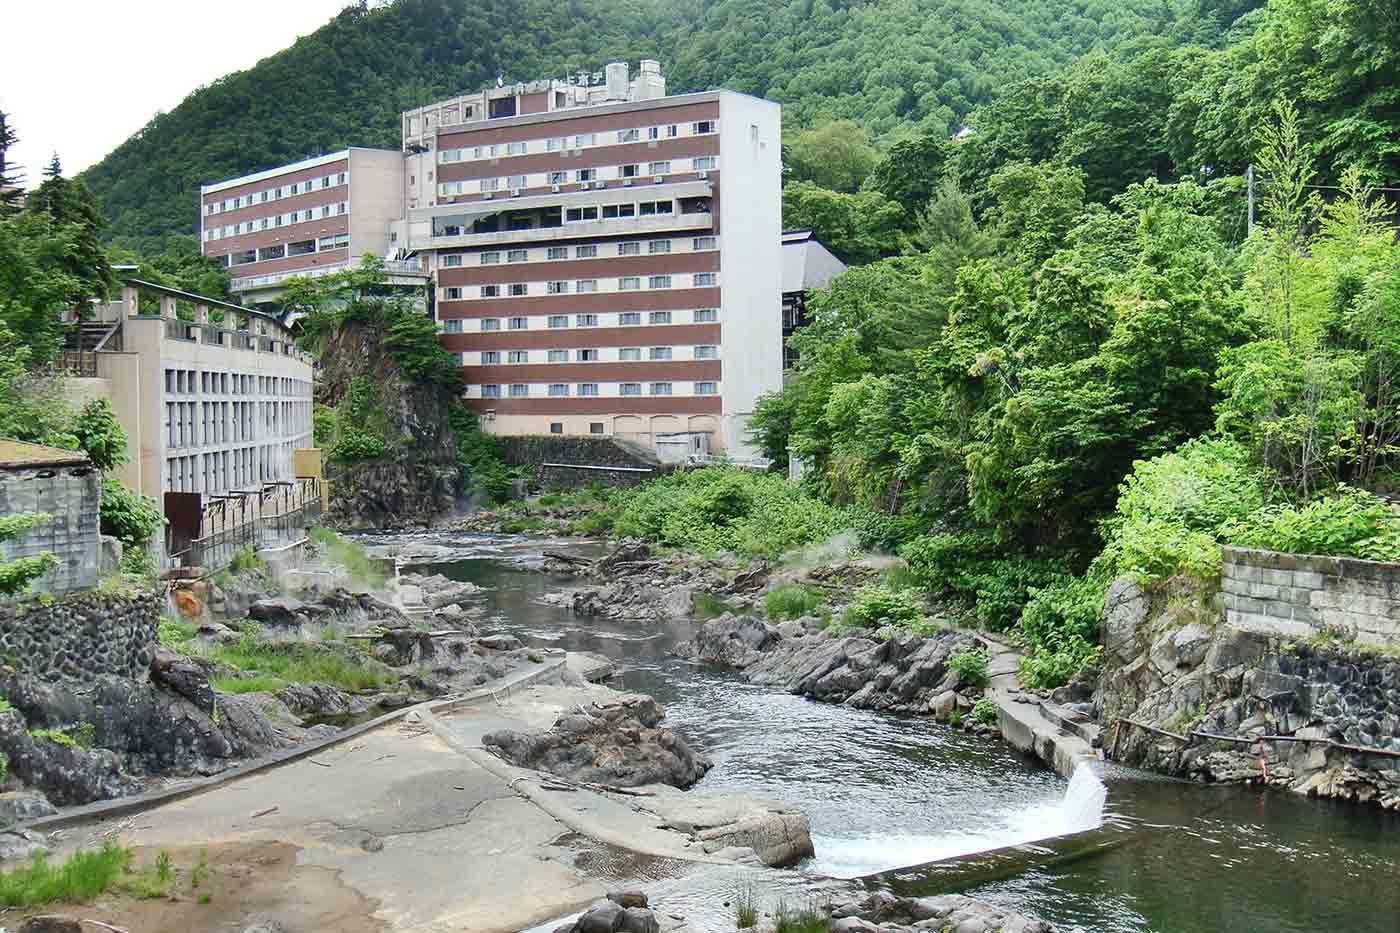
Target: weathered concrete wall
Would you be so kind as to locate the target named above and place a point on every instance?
(72, 495)
(569, 462)
(83, 635)
(1300, 595)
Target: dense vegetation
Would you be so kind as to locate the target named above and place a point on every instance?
(894, 65)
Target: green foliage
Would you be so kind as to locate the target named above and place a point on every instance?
(1058, 630)
(746, 908)
(100, 435)
(165, 867)
(175, 633)
(325, 425)
(1048, 667)
(878, 604)
(985, 712)
(17, 574)
(348, 554)
(363, 424)
(791, 601)
(74, 213)
(858, 228)
(138, 563)
(974, 571)
(85, 734)
(32, 407)
(970, 665)
(1346, 523)
(130, 517)
(809, 919)
(837, 156)
(710, 606)
(719, 508)
(200, 874)
(82, 877)
(480, 455)
(55, 736)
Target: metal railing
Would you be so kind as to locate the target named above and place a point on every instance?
(279, 513)
(176, 329)
(760, 464)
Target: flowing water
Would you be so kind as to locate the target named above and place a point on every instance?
(885, 793)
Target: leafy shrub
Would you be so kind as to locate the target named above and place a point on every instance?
(879, 604)
(970, 665)
(791, 601)
(362, 423)
(132, 518)
(480, 455)
(245, 560)
(1047, 667)
(325, 425)
(139, 563)
(985, 712)
(1346, 523)
(972, 569)
(16, 575)
(173, 633)
(100, 434)
(1070, 606)
(720, 508)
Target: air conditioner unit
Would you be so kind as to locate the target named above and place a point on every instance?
(487, 195)
(554, 188)
(515, 192)
(626, 182)
(658, 179)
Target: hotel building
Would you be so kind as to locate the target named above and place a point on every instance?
(606, 259)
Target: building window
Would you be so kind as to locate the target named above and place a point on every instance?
(452, 260)
(660, 353)
(652, 208)
(706, 315)
(703, 279)
(659, 317)
(659, 246)
(586, 285)
(490, 391)
(490, 259)
(583, 139)
(454, 326)
(556, 288)
(559, 356)
(707, 353)
(706, 388)
(659, 281)
(703, 163)
(515, 148)
(585, 320)
(595, 427)
(619, 211)
(519, 323)
(629, 318)
(628, 136)
(629, 283)
(519, 289)
(490, 323)
(557, 252)
(586, 356)
(518, 356)
(588, 389)
(518, 255)
(585, 174)
(490, 357)
(558, 390)
(659, 168)
(558, 320)
(556, 427)
(631, 388)
(555, 144)
(629, 249)
(703, 243)
(628, 354)
(700, 127)
(632, 171)
(661, 388)
(519, 390)
(585, 252)
(490, 291)
(452, 293)
(516, 182)
(490, 184)
(579, 214)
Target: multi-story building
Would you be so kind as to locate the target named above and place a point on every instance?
(309, 218)
(607, 260)
(807, 266)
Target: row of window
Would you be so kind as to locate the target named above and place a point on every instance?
(243, 257)
(626, 283)
(624, 354)
(591, 389)
(277, 220)
(633, 170)
(278, 193)
(222, 470)
(551, 218)
(580, 141)
(208, 382)
(557, 321)
(583, 251)
(200, 424)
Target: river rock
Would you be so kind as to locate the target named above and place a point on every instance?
(185, 677)
(282, 610)
(23, 806)
(888, 913)
(731, 640)
(1125, 609)
(52, 923)
(617, 743)
(629, 898)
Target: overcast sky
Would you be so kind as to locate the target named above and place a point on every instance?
(80, 76)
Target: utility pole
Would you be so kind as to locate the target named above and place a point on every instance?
(1249, 180)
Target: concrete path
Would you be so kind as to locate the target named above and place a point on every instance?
(1058, 737)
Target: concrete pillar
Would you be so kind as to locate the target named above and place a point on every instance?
(167, 307)
(201, 314)
(131, 300)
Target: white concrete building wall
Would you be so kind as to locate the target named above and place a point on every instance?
(376, 199)
(750, 260)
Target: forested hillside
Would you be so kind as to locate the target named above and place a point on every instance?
(892, 65)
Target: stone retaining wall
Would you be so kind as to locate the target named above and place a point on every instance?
(1299, 595)
(72, 497)
(570, 462)
(83, 635)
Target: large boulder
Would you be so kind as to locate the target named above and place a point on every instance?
(618, 743)
(731, 640)
(1125, 608)
(184, 676)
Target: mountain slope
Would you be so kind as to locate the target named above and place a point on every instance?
(886, 63)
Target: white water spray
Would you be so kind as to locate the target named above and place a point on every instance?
(1079, 810)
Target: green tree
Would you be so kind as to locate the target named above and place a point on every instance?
(857, 228)
(11, 181)
(837, 155)
(910, 171)
(74, 213)
(100, 435)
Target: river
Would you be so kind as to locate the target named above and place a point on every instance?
(885, 793)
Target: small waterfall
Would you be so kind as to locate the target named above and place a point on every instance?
(1084, 800)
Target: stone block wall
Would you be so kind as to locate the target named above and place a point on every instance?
(1299, 595)
(82, 635)
(72, 495)
(571, 462)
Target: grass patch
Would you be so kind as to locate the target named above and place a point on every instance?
(349, 555)
(791, 601)
(709, 606)
(81, 878)
(985, 712)
(175, 633)
(528, 523)
(745, 908)
(880, 604)
(809, 919)
(55, 736)
(280, 664)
